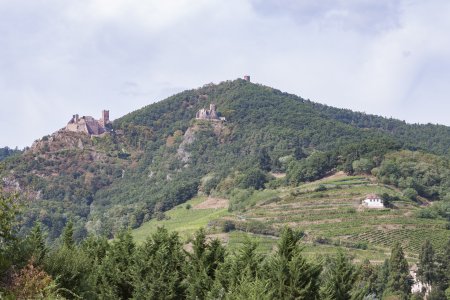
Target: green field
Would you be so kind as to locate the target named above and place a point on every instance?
(327, 211)
(185, 221)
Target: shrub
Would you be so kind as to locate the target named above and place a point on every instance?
(33, 283)
(410, 193)
(228, 226)
(321, 188)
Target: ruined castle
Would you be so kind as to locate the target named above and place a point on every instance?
(209, 114)
(88, 124)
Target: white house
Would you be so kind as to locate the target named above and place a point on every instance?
(373, 201)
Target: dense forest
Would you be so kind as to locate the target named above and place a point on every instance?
(161, 268)
(160, 156)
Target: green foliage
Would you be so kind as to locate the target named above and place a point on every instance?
(5, 152)
(203, 264)
(418, 173)
(438, 209)
(160, 271)
(426, 267)
(313, 167)
(67, 236)
(338, 279)
(253, 178)
(255, 289)
(290, 275)
(72, 270)
(362, 166)
(410, 193)
(366, 281)
(8, 213)
(399, 281)
(36, 242)
(114, 273)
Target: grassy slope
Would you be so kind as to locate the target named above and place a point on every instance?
(185, 221)
(333, 216)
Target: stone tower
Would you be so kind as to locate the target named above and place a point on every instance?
(105, 116)
(247, 78)
(212, 111)
(104, 120)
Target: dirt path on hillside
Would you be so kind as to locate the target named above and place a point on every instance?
(278, 175)
(212, 203)
(336, 175)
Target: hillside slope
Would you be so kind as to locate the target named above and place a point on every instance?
(160, 156)
(328, 211)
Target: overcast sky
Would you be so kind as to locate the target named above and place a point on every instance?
(58, 58)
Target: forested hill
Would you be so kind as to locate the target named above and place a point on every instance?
(258, 106)
(160, 156)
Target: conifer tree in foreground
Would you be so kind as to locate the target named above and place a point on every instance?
(426, 268)
(159, 271)
(340, 276)
(114, 273)
(202, 265)
(290, 275)
(36, 243)
(399, 280)
(239, 277)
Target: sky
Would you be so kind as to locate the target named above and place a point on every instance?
(59, 58)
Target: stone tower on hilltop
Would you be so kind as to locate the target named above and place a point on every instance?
(105, 118)
(88, 124)
(208, 114)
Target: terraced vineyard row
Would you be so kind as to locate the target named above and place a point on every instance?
(411, 239)
(331, 209)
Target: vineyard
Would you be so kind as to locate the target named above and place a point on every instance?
(328, 212)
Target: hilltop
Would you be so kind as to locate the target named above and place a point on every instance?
(162, 155)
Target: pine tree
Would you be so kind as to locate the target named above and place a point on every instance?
(114, 277)
(202, 265)
(382, 278)
(95, 247)
(289, 275)
(443, 270)
(249, 289)
(242, 267)
(340, 277)
(426, 267)
(367, 280)
(159, 271)
(67, 235)
(399, 280)
(36, 242)
(73, 271)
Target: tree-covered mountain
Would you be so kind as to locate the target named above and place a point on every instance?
(160, 156)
